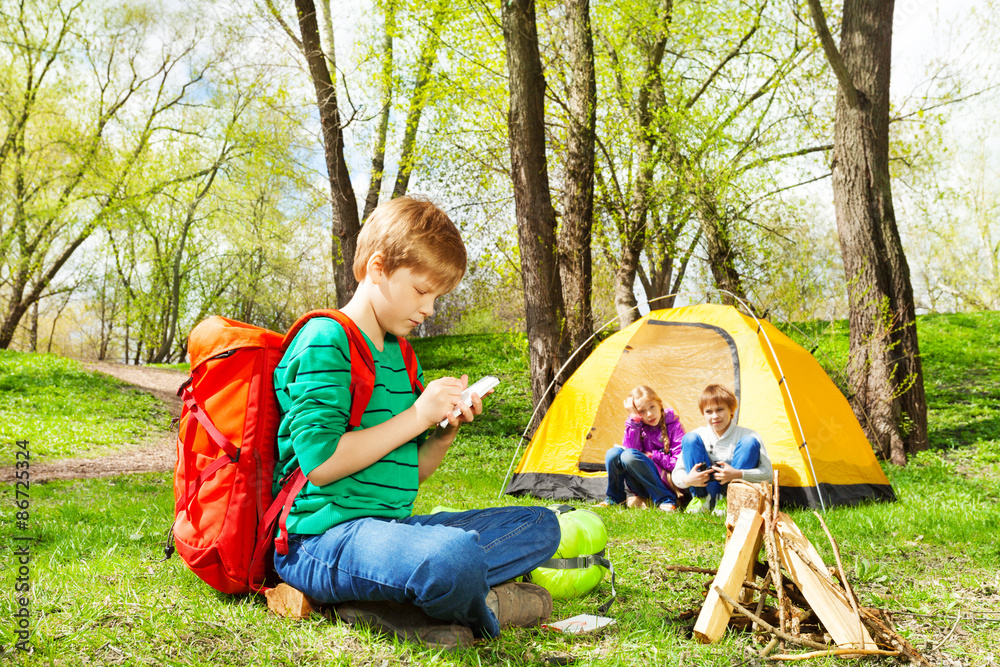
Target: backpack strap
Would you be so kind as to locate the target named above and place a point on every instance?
(412, 369)
(232, 452)
(282, 503)
(362, 363)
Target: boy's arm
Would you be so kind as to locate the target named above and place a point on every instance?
(432, 452)
(361, 448)
(313, 381)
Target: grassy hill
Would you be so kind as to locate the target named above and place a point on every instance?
(101, 593)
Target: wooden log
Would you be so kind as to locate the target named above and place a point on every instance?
(746, 597)
(289, 602)
(741, 495)
(740, 551)
(828, 603)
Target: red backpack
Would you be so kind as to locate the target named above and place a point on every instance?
(224, 514)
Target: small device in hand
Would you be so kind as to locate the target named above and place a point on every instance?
(480, 388)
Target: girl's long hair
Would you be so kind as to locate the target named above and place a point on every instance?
(642, 391)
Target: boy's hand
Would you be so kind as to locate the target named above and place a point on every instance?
(439, 399)
(699, 475)
(469, 412)
(726, 473)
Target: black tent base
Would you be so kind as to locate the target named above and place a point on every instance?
(575, 487)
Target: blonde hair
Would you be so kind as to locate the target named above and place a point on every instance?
(642, 391)
(414, 233)
(716, 394)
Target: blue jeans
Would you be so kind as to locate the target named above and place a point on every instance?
(443, 563)
(639, 471)
(746, 455)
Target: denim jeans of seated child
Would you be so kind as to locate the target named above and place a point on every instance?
(746, 455)
(444, 563)
(628, 466)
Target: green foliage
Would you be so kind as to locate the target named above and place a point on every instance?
(101, 593)
(65, 411)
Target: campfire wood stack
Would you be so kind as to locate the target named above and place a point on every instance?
(796, 579)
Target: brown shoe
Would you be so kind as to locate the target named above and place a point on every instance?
(519, 604)
(406, 622)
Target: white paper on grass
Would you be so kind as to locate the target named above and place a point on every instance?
(579, 624)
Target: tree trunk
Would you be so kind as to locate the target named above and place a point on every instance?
(625, 272)
(667, 262)
(719, 249)
(33, 329)
(884, 367)
(346, 223)
(575, 258)
(634, 232)
(536, 219)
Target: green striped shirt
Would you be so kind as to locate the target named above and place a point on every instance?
(312, 384)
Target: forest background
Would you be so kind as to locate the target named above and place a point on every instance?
(162, 162)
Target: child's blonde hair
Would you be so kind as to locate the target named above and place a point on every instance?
(716, 394)
(411, 232)
(642, 391)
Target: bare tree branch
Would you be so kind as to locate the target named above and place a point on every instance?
(833, 54)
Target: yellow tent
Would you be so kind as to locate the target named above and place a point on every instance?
(811, 434)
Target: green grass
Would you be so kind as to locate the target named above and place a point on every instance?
(102, 595)
(65, 411)
(183, 366)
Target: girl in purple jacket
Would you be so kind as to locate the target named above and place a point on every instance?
(648, 453)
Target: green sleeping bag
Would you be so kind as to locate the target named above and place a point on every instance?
(578, 565)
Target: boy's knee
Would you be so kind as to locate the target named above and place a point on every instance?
(747, 452)
(456, 556)
(541, 523)
(690, 440)
(549, 532)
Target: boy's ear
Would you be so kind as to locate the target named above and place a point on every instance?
(374, 267)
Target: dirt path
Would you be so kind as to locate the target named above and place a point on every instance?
(155, 454)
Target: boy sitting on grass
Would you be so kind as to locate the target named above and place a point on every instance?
(352, 537)
(714, 455)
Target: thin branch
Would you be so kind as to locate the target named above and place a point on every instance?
(784, 156)
(802, 641)
(284, 26)
(945, 103)
(729, 56)
(832, 652)
(833, 55)
(787, 187)
(840, 567)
